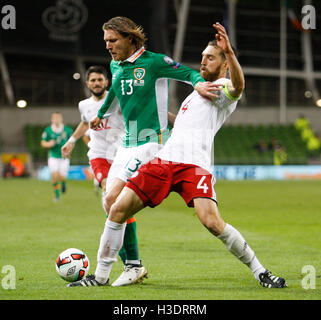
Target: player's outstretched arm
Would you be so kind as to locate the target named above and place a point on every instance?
(106, 105)
(78, 133)
(237, 84)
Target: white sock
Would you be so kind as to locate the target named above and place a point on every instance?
(134, 262)
(111, 242)
(236, 244)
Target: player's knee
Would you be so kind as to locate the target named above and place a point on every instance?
(117, 213)
(109, 201)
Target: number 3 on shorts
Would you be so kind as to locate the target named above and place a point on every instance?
(136, 163)
(202, 186)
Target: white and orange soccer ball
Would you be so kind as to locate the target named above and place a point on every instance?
(72, 265)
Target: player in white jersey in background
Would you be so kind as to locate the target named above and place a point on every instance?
(188, 171)
(103, 144)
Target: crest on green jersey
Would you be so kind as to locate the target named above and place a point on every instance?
(139, 73)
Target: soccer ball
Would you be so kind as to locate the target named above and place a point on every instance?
(72, 265)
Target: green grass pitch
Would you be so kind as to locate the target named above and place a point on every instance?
(281, 221)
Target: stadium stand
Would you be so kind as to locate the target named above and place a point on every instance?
(236, 144)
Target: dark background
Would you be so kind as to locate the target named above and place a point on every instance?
(41, 67)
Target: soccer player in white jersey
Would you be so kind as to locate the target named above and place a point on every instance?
(188, 172)
(103, 144)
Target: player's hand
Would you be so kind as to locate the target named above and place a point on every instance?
(208, 89)
(67, 149)
(95, 123)
(222, 39)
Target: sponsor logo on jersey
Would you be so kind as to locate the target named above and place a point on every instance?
(139, 83)
(176, 65)
(170, 61)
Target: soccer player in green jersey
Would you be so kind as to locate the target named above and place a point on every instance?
(140, 83)
(53, 138)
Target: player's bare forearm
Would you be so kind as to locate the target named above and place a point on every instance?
(80, 130)
(47, 144)
(86, 139)
(236, 75)
(78, 133)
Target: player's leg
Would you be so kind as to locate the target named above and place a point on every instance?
(209, 215)
(122, 251)
(131, 243)
(54, 172)
(134, 271)
(114, 189)
(197, 189)
(129, 253)
(126, 163)
(207, 212)
(64, 165)
(101, 168)
(55, 185)
(112, 238)
(151, 185)
(63, 183)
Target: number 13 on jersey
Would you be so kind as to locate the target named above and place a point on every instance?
(126, 87)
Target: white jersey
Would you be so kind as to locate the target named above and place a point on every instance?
(196, 124)
(105, 141)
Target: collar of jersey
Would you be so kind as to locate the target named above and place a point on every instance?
(135, 56)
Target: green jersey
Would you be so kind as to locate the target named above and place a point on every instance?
(60, 138)
(140, 84)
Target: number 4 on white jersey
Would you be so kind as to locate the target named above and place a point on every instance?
(204, 186)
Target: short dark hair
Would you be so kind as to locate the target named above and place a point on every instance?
(127, 28)
(213, 43)
(96, 69)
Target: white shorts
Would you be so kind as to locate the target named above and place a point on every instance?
(59, 165)
(129, 160)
